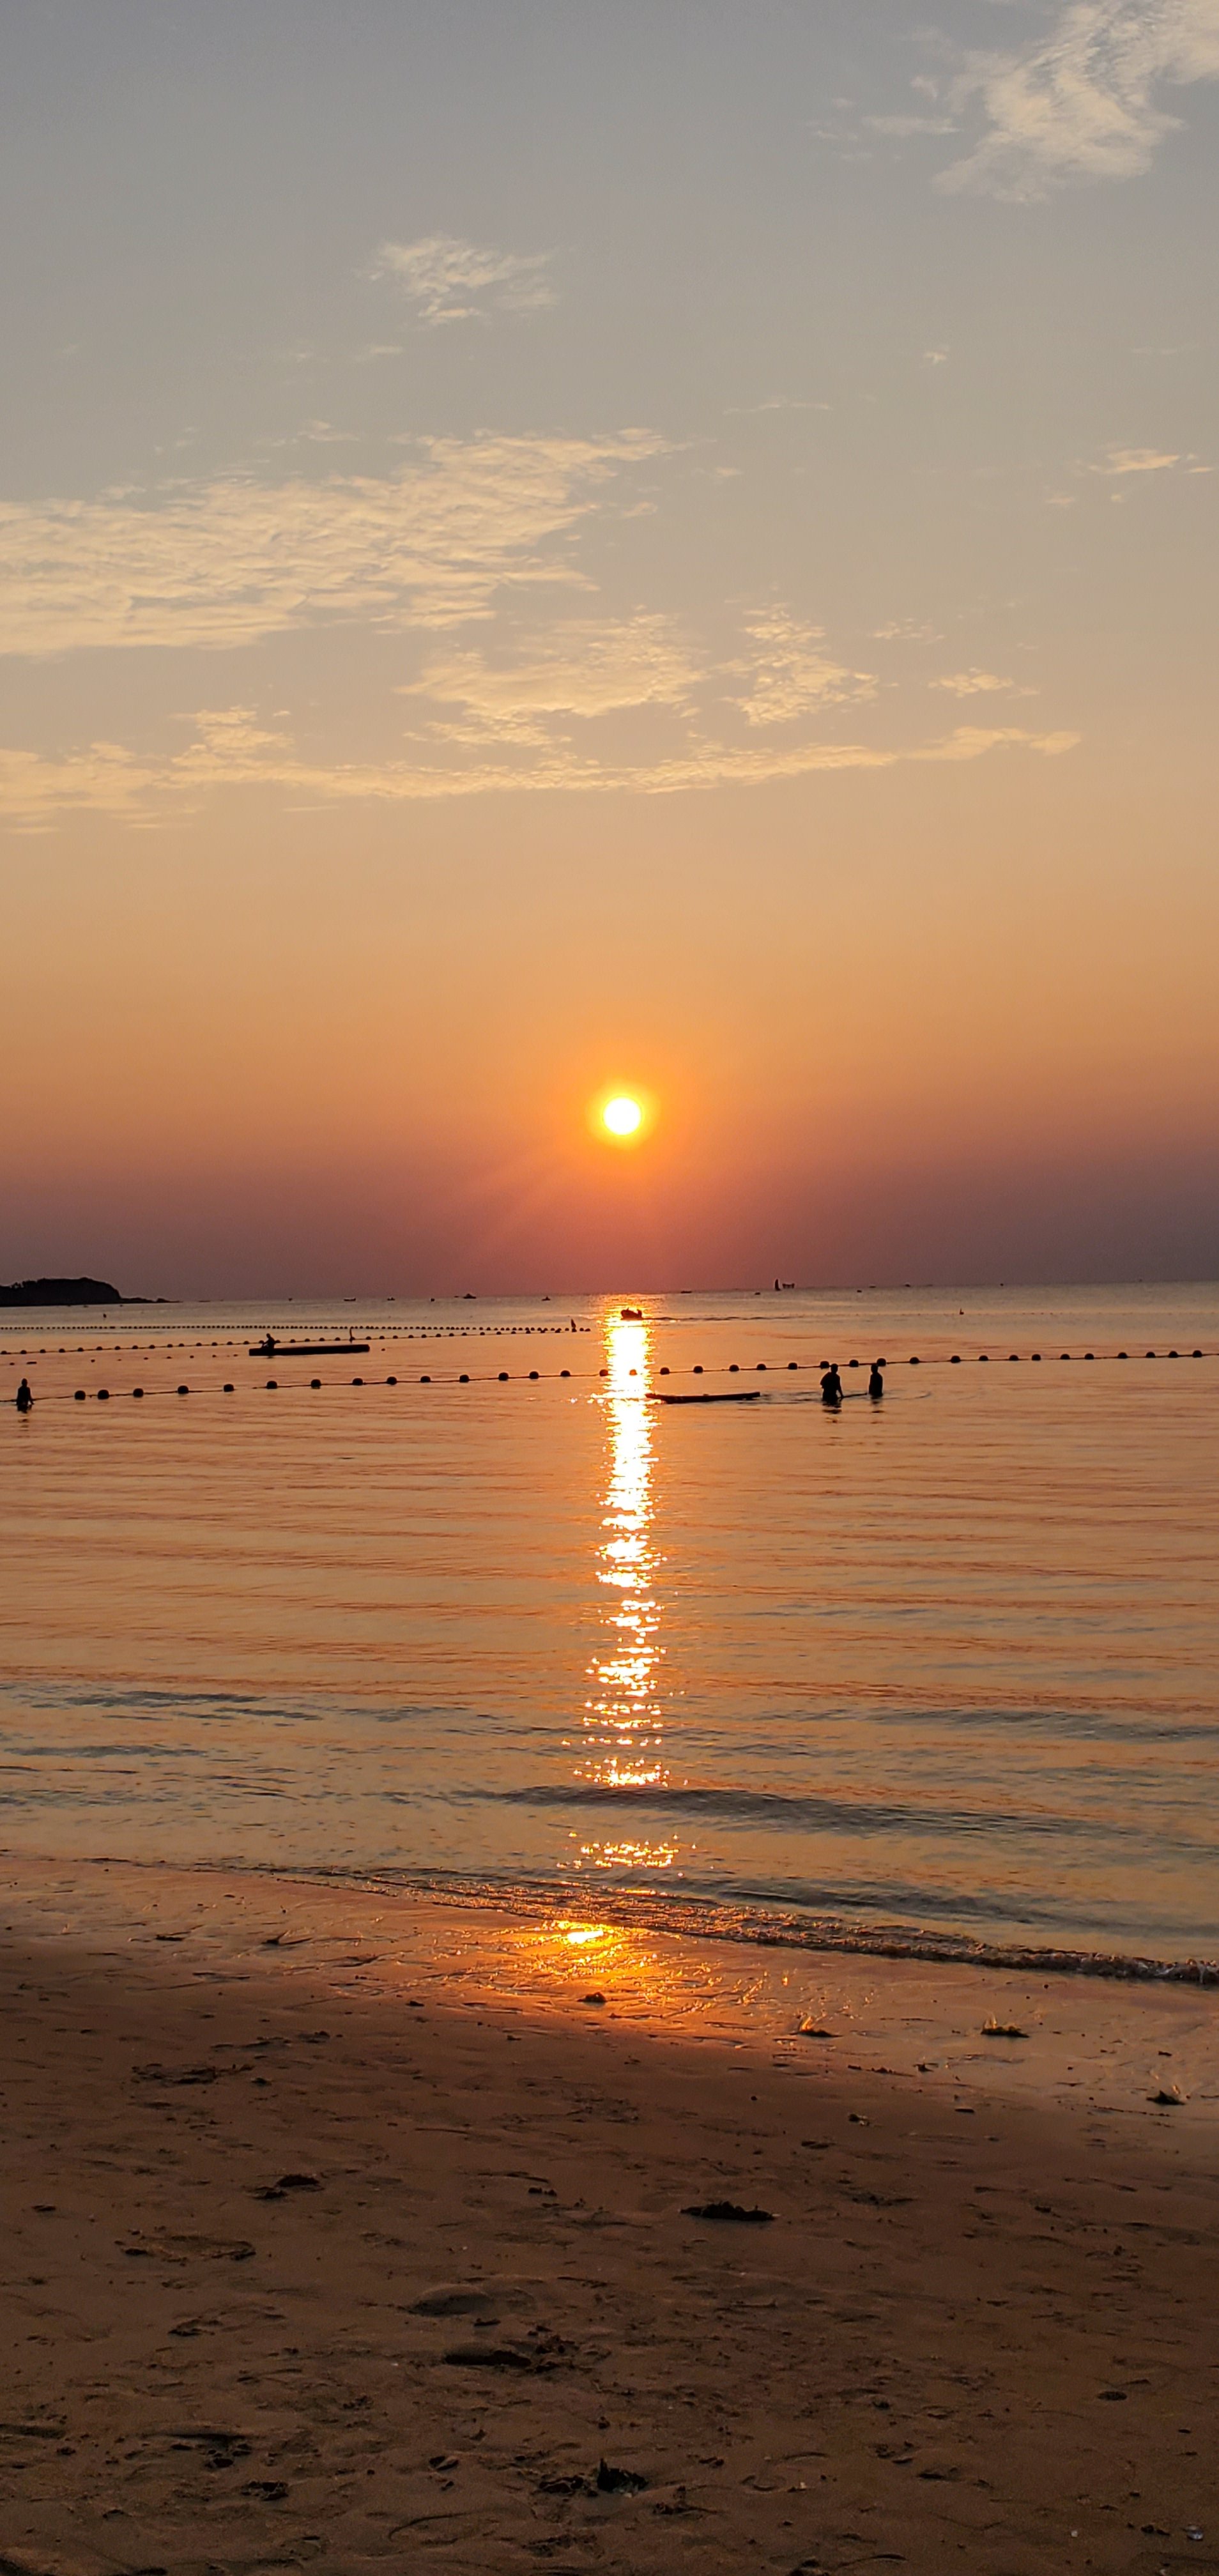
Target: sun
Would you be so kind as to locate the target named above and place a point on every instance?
(622, 1116)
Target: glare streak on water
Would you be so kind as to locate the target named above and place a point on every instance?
(944, 1662)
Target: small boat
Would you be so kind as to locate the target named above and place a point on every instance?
(630, 1314)
(272, 1350)
(746, 1395)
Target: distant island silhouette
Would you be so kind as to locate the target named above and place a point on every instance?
(69, 1292)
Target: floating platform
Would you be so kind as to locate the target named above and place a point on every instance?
(745, 1395)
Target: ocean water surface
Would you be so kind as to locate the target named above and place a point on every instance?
(938, 1670)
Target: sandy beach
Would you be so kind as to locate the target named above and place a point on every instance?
(345, 2232)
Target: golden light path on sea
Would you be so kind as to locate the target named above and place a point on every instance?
(623, 1739)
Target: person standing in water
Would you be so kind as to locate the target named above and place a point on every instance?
(876, 1383)
(24, 1399)
(831, 1385)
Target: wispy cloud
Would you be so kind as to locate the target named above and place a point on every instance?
(586, 670)
(449, 280)
(1136, 460)
(1086, 101)
(231, 561)
(789, 673)
(974, 684)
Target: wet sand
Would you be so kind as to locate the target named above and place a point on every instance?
(344, 2232)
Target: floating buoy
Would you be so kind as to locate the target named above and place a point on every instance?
(425, 1381)
(1173, 1355)
(734, 1368)
(357, 1381)
(956, 1359)
(533, 1373)
(79, 1396)
(914, 1362)
(1036, 1355)
(984, 1355)
(184, 1390)
(137, 1390)
(315, 1381)
(1089, 1355)
(1013, 1355)
(698, 1368)
(1123, 1355)
(1151, 1355)
(603, 1372)
(565, 1372)
(852, 1363)
(1064, 1355)
(664, 1372)
(391, 1381)
(103, 1395)
(272, 1383)
(762, 1364)
(1197, 1355)
(503, 1376)
(463, 1380)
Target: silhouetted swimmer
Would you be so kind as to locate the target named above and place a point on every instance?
(831, 1385)
(876, 1383)
(24, 1399)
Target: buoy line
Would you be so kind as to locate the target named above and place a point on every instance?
(601, 1378)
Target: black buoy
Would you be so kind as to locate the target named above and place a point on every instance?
(184, 1390)
(391, 1381)
(762, 1364)
(1197, 1355)
(463, 1380)
(664, 1372)
(850, 1363)
(793, 1364)
(1123, 1355)
(603, 1372)
(1151, 1355)
(357, 1381)
(1036, 1355)
(272, 1383)
(984, 1355)
(533, 1373)
(1013, 1355)
(734, 1368)
(565, 1372)
(914, 1362)
(79, 1396)
(103, 1395)
(1174, 1355)
(1064, 1355)
(315, 1381)
(697, 1369)
(956, 1359)
(425, 1381)
(137, 1390)
(503, 1376)
(1089, 1355)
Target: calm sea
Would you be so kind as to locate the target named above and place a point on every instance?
(944, 1663)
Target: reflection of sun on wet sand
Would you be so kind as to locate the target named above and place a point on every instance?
(344, 2230)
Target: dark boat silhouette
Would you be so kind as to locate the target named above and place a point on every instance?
(273, 1350)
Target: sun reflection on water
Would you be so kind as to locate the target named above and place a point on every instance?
(623, 1741)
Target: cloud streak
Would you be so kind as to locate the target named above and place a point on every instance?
(232, 561)
(232, 750)
(1087, 101)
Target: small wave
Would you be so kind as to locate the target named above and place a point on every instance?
(703, 1919)
(793, 1808)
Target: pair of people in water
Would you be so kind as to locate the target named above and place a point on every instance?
(831, 1383)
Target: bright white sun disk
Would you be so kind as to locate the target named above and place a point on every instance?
(622, 1117)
